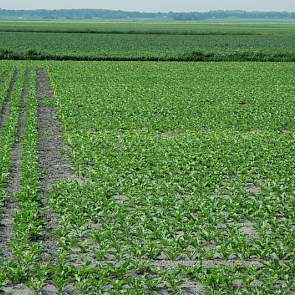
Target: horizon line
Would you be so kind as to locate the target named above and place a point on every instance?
(145, 11)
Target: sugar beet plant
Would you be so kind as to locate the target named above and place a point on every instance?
(187, 174)
(9, 122)
(8, 134)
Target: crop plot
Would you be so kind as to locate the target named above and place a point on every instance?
(188, 195)
(190, 183)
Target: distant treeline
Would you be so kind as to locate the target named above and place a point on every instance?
(119, 14)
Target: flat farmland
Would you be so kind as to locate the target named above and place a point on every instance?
(176, 41)
(147, 178)
(140, 46)
(125, 26)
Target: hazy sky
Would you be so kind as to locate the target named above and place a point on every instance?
(153, 5)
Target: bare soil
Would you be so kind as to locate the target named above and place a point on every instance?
(54, 165)
(247, 228)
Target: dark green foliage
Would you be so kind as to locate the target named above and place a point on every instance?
(196, 56)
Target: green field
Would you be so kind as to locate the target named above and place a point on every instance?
(94, 40)
(152, 27)
(183, 178)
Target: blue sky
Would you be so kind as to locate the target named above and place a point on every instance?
(153, 5)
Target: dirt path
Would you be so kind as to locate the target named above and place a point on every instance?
(54, 165)
(14, 185)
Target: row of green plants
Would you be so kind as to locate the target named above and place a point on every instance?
(137, 32)
(24, 266)
(27, 247)
(8, 132)
(6, 74)
(194, 56)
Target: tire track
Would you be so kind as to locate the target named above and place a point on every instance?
(54, 165)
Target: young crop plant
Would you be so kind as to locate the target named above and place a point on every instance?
(8, 134)
(4, 86)
(8, 130)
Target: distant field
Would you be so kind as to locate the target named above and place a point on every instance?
(175, 27)
(172, 178)
(147, 41)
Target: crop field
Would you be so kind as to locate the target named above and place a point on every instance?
(148, 27)
(147, 178)
(147, 41)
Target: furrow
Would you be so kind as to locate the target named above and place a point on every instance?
(164, 264)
